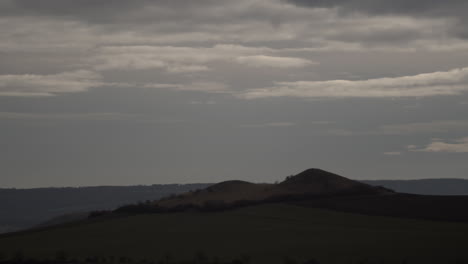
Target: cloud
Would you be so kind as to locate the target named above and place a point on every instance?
(65, 116)
(47, 85)
(420, 7)
(383, 7)
(438, 126)
(441, 126)
(437, 145)
(272, 124)
(208, 87)
(455, 9)
(187, 68)
(392, 153)
(217, 39)
(172, 58)
(176, 59)
(275, 62)
(53, 24)
(428, 84)
(208, 102)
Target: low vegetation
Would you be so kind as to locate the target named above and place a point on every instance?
(267, 233)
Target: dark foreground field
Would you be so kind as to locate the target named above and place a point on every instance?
(269, 233)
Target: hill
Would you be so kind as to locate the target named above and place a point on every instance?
(312, 188)
(23, 208)
(311, 182)
(314, 216)
(268, 233)
(29, 207)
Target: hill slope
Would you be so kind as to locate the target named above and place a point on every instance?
(29, 207)
(289, 219)
(311, 182)
(425, 186)
(266, 233)
(23, 208)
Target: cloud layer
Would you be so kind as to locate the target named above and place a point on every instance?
(46, 85)
(211, 41)
(275, 62)
(172, 78)
(188, 59)
(437, 145)
(428, 84)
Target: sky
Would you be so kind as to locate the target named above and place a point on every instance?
(163, 91)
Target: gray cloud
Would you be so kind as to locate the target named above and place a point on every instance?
(176, 59)
(437, 145)
(271, 124)
(85, 9)
(270, 61)
(415, 128)
(428, 84)
(416, 7)
(65, 116)
(455, 9)
(425, 127)
(245, 21)
(169, 75)
(47, 85)
(208, 87)
(392, 153)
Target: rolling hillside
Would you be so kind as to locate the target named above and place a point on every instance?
(312, 217)
(311, 182)
(24, 208)
(265, 233)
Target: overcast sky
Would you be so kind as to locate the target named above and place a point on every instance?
(171, 91)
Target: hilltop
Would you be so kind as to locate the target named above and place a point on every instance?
(311, 182)
(313, 188)
(30, 207)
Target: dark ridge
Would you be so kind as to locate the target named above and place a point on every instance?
(317, 181)
(307, 184)
(425, 186)
(26, 208)
(229, 185)
(315, 176)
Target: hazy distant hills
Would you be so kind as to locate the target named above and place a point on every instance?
(22, 208)
(425, 186)
(314, 215)
(312, 188)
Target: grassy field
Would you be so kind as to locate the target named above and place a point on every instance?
(265, 233)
